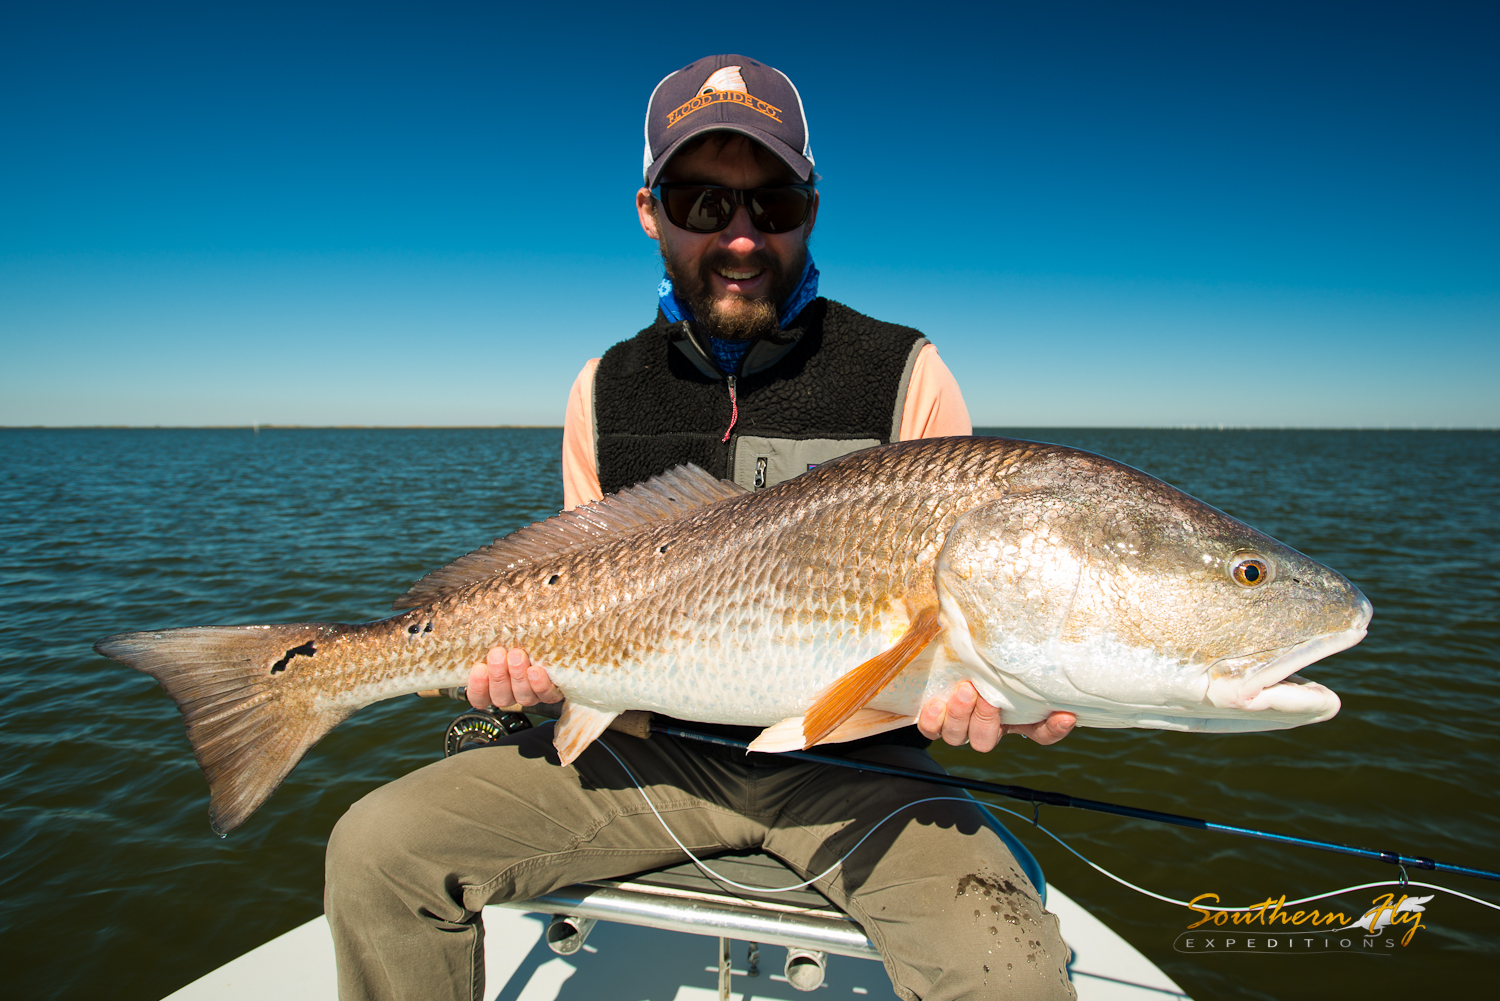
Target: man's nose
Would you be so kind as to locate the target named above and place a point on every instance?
(740, 236)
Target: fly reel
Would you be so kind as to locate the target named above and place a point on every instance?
(480, 728)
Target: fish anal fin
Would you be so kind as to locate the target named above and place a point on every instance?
(867, 723)
(677, 492)
(783, 736)
(846, 696)
(787, 735)
(577, 728)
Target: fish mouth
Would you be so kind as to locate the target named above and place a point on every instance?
(1272, 686)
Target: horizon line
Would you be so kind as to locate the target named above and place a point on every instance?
(558, 427)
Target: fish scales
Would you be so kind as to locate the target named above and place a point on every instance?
(824, 608)
(757, 603)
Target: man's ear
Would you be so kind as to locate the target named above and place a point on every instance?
(645, 207)
(812, 217)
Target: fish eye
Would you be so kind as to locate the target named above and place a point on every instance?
(1249, 569)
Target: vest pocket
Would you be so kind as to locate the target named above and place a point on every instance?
(765, 462)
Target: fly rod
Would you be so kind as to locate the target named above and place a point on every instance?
(644, 724)
(1040, 798)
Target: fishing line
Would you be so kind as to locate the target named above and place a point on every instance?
(1040, 798)
(760, 889)
(1037, 798)
(1182, 903)
(993, 809)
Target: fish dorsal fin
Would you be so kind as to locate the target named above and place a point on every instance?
(846, 696)
(673, 494)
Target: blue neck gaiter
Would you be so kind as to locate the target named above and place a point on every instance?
(728, 353)
(807, 291)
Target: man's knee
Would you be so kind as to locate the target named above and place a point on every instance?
(1001, 926)
(970, 922)
(449, 827)
(400, 842)
(989, 940)
(365, 846)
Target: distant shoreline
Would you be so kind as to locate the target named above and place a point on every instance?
(275, 426)
(558, 427)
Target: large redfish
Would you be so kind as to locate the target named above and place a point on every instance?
(825, 608)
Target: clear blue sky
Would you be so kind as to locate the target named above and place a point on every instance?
(1103, 214)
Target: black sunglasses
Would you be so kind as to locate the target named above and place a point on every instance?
(708, 208)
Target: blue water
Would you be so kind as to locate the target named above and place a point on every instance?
(113, 884)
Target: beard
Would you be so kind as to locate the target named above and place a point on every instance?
(735, 317)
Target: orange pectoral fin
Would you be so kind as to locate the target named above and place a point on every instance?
(844, 697)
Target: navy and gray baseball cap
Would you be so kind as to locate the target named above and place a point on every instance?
(727, 94)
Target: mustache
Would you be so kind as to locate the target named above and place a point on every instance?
(735, 316)
(758, 260)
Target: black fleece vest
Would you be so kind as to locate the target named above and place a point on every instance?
(832, 383)
(838, 385)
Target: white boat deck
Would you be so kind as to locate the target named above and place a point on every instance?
(624, 962)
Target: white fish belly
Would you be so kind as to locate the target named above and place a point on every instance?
(744, 676)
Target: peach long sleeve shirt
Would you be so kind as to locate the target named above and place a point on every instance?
(934, 409)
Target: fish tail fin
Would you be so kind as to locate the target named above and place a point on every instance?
(230, 683)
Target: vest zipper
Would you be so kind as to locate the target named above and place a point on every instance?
(734, 416)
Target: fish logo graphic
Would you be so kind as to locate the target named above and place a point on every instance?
(727, 78)
(1377, 918)
(1267, 925)
(723, 85)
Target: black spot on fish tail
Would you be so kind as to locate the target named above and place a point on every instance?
(305, 650)
(244, 733)
(553, 579)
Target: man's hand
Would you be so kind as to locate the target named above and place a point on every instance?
(966, 718)
(507, 678)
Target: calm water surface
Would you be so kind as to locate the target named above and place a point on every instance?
(113, 884)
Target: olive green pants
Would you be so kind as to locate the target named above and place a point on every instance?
(411, 865)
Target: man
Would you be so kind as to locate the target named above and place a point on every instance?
(750, 375)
